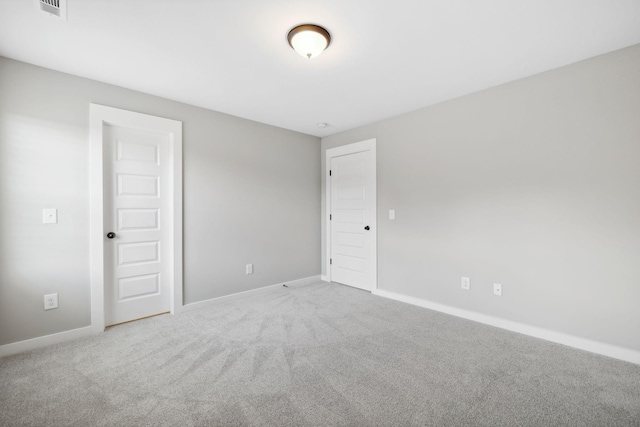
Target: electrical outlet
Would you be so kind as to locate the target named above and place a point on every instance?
(249, 269)
(497, 289)
(50, 301)
(466, 283)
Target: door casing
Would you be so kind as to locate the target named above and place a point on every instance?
(100, 116)
(367, 145)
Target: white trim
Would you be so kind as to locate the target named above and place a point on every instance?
(99, 116)
(597, 347)
(356, 147)
(47, 340)
(254, 292)
(325, 278)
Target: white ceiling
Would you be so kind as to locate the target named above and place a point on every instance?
(386, 58)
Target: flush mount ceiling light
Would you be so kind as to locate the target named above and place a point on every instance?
(309, 40)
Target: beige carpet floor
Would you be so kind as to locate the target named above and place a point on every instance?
(316, 355)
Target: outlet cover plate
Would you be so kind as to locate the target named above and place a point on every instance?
(465, 283)
(50, 301)
(497, 289)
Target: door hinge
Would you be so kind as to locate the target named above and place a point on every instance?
(329, 172)
(330, 261)
(330, 217)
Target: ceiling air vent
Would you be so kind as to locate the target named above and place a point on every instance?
(55, 7)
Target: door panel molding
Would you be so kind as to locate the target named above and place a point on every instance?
(101, 116)
(358, 147)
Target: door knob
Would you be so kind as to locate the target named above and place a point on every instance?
(366, 228)
(111, 234)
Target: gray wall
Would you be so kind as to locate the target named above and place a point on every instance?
(251, 195)
(535, 185)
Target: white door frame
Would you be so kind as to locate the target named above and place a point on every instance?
(100, 116)
(357, 147)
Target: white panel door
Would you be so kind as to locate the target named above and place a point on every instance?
(137, 212)
(353, 220)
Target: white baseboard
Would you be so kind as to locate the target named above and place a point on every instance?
(31, 344)
(266, 289)
(609, 350)
(325, 278)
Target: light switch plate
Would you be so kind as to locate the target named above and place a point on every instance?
(392, 214)
(49, 216)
